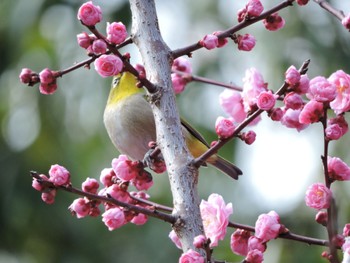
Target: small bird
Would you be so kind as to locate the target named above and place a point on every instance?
(130, 124)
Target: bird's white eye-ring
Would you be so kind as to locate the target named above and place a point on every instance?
(116, 81)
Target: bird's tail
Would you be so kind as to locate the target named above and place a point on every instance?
(227, 167)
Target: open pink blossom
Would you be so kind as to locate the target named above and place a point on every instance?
(346, 230)
(293, 101)
(108, 65)
(256, 243)
(173, 237)
(80, 207)
(312, 112)
(209, 41)
(274, 22)
(124, 168)
(291, 119)
(338, 169)
(215, 214)
(113, 218)
(116, 32)
(224, 127)
(346, 21)
(246, 42)
(336, 127)
(90, 185)
(268, 226)
(191, 256)
(321, 90)
(266, 100)
(254, 256)
(318, 196)
(59, 175)
(89, 14)
(346, 250)
(107, 176)
(232, 103)
(253, 85)
(239, 242)
(341, 80)
(292, 76)
(303, 85)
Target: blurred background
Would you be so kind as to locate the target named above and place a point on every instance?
(67, 128)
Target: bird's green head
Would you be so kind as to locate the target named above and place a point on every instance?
(123, 86)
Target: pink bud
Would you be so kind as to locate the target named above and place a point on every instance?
(143, 181)
(340, 122)
(224, 127)
(108, 65)
(139, 219)
(179, 83)
(80, 207)
(318, 196)
(246, 42)
(84, 40)
(249, 137)
(182, 64)
(276, 114)
(26, 75)
(254, 8)
(292, 76)
(90, 185)
(37, 185)
(346, 230)
(47, 76)
(302, 2)
(254, 256)
(116, 32)
(191, 256)
(48, 89)
(321, 218)
(256, 243)
(293, 101)
(322, 90)
(99, 46)
(241, 14)
(291, 119)
(199, 241)
(303, 86)
(337, 169)
(267, 226)
(221, 41)
(59, 175)
(89, 14)
(274, 22)
(346, 22)
(209, 41)
(49, 197)
(173, 237)
(107, 177)
(311, 113)
(333, 132)
(124, 168)
(266, 100)
(113, 218)
(239, 242)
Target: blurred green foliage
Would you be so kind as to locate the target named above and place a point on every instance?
(67, 128)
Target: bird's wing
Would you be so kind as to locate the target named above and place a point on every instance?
(193, 132)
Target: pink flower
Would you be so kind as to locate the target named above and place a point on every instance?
(346, 21)
(143, 181)
(107, 177)
(346, 249)
(113, 218)
(209, 41)
(232, 103)
(179, 83)
(47, 76)
(48, 89)
(254, 8)
(318, 196)
(224, 127)
(253, 85)
(312, 112)
(59, 175)
(221, 41)
(182, 64)
(90, 185)
(124, 168)
(333, 132)
(340, 122)
(254, 256)
(99, 46)
(26, 75)
(49, 197)
(256, 243)
(276, 114)
(341, 80)
(322, 218)
(274, 22)
(116, 32)
(246, 42)
(291, 119)
(118, 193)
(241, 14)
(346, 230)
(303, 85)
(84, 40)
(249, 137)
(108, 65)
(337, 169)
(239, 242)
(302, 2)
(80, 207)
(215, 214)
(173, 237)
(266, 100)
(293, 101)
(321, 90)
(37, 185)
(191, 256)
(89, 14)
(292, 76)
(139, 219)
(267, 226)
(199, 241)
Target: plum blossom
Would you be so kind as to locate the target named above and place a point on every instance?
(191, 256)
(312, 112)
(108, 65)
(274, 22)
(239, 242)
(209, 41)
(268, 226)
(341, 80)
(59, 175)
(346, 21)
(224, 127)
(80, 207)
(293, 101)
(116, 32)
(246, 42)
(292, 76)
(318, 196)
(89, 14)
(291, 119)
(113, 218)
(173, 237)
(321, 90)
(124, 168)
(338, 169)
(266, 100)
(232, 103)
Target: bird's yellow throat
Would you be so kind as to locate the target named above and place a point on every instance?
(123, 86)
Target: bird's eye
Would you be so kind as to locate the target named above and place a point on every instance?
(116, 81)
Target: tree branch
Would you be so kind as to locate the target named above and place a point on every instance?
(327, 6)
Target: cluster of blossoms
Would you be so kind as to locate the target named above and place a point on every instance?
(116, 182)
(181, 70)
(47, 79)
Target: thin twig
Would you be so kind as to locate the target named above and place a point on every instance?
(327, 6)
